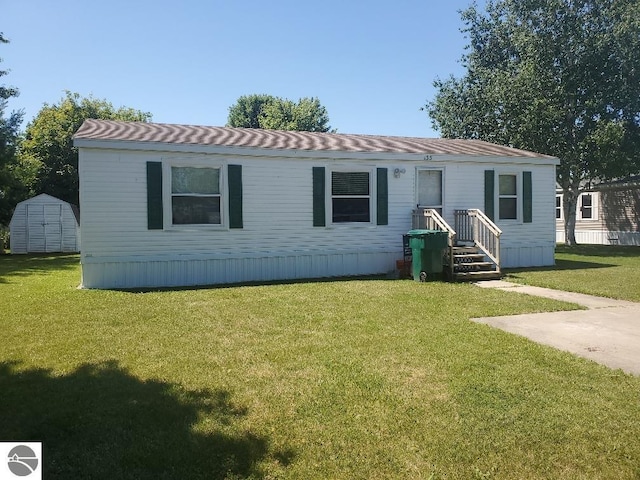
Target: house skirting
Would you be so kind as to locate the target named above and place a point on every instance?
(527, 255)
(200, 269)
(602, 237)
(191, 270)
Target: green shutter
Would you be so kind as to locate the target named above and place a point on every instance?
(319, 216)
(527, 198)
(154, 196)
(489, 194)
(382, 197)
(234, 174)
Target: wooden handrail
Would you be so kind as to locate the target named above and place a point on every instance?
(486, 220)
(474, 226)
(433, 221)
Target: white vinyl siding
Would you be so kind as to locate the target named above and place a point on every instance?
(278, 240)
(522, 244)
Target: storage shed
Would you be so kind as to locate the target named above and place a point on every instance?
(173, 205)
(45, 224)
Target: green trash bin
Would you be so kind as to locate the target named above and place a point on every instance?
(427, 248)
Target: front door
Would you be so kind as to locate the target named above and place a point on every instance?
(430, 189)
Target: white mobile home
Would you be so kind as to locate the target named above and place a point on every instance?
(172, 205)
(44, 224)
(607, 213)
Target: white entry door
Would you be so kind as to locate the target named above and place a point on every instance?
(430, 189)
(44, 228)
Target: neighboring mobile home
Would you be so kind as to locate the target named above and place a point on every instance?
(44, 224)
(606, 214)
(173, 205)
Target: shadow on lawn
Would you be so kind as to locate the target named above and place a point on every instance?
(46, 263)
(257, 283)
(600, 250)
(560, 265)
(101, 422)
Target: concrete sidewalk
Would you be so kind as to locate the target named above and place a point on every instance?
(607, 333)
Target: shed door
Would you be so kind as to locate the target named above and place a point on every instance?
(44, 228)
(430, 189)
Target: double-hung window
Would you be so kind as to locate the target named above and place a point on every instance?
(350, 197)
(586, 204)
(195, 196)
(558, 207)
(507, 197)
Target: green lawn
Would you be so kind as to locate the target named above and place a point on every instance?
(607, 271)
(364, 379)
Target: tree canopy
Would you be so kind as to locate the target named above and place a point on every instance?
(275, 113)
(47, 149)
(10, 187)
(560, 77)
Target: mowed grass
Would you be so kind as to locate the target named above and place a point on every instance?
(364, 379)
(602, 270)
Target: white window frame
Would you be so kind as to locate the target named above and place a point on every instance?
(372, 194)
(517, 196)
(560, 207)
(594, 207)
(439, 208)
(167, 194)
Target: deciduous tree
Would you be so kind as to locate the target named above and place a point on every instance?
(11, 189)
(48, 144)
(269, 112)
(560, 77)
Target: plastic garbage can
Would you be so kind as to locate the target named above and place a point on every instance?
(427, 248)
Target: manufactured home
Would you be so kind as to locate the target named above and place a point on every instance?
(44, 224)
(607, 213)
(177, 205)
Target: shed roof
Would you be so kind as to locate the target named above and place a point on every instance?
(109, 130)
(46, 198)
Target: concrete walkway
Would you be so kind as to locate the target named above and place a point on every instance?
(608, 332)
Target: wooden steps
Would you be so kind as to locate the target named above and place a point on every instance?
(470, 264)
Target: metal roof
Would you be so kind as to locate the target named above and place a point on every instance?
(109, 130)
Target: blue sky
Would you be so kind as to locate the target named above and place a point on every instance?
(371, 63)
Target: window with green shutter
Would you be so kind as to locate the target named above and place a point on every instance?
(513, 195)
(354, 196)
(194, 195)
